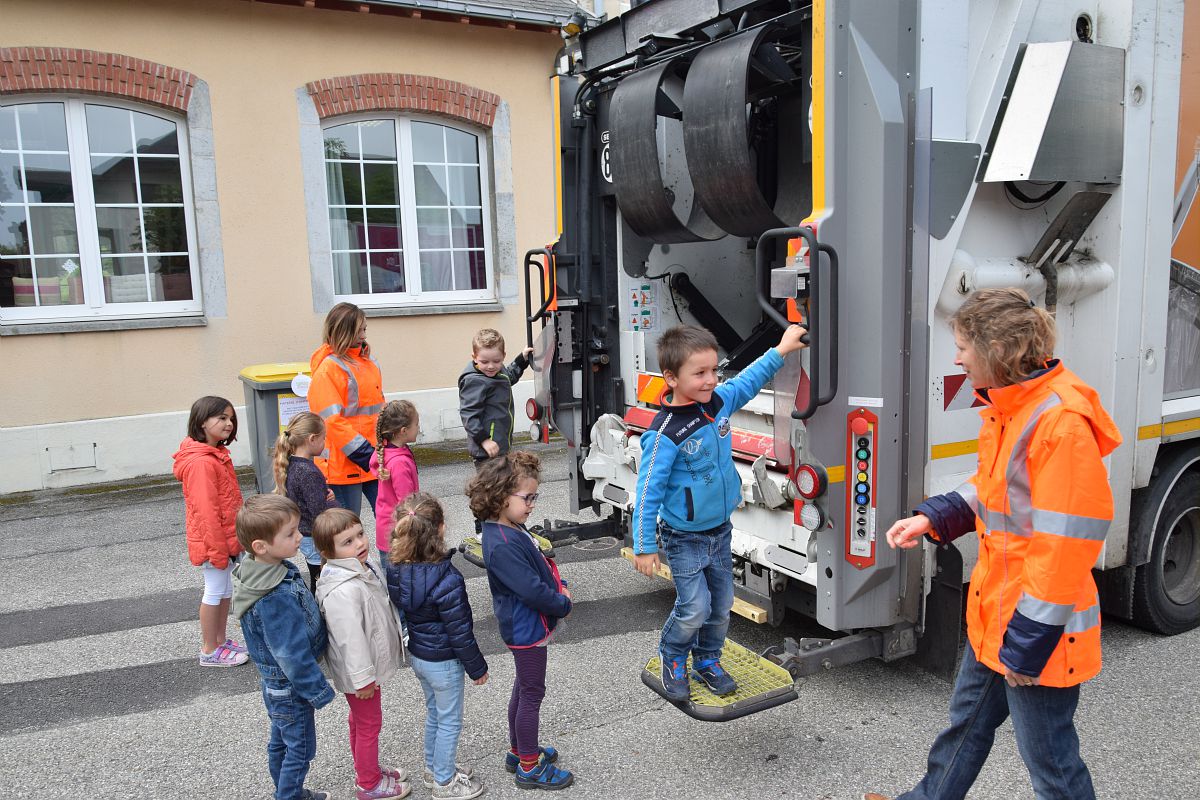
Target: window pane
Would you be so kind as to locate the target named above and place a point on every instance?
(350, 273)
(42, 126)
(108, 130)
(435, 271)
(160, 180)
(11, 190)
(476, 272)
(378, 140)
(119, 230)
(8, 128)
(427, 142)
(155, 134)
(113, 180)
(341, 141)
(53, 230)
(125, 280)
(466, 224)
(346, 230)
(464, 186)
(165, 229)
(59, 281)
(172, 278)
(16, 281)
(433, 228)
(383, 229)
(343, 183)
(461, 148)
(387, 272)
(430, 185)
(380, 184)
(48, 178)
(14, 231)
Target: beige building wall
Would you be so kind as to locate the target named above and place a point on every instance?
(254, 57)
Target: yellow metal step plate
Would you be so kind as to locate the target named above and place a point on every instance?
(761, 685)
(472, 548)
(740, 606)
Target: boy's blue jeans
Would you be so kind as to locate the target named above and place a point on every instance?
(702, 569)
(1043, 719)
(442, 682)
(293, 743)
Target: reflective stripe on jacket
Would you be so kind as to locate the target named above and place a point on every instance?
(346, 392)
(1042, 506)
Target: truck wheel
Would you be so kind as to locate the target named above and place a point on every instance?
(1166, 595)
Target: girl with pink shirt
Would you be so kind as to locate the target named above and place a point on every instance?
(397, 427)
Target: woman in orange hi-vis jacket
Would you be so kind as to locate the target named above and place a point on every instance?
(347, 392)
(1040, 504)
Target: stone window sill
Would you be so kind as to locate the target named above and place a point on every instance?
(92, 325)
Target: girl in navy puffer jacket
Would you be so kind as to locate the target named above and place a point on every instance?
(431, 594)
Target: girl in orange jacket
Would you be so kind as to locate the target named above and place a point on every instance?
(211, 498)
(347, 392)
(1040, 505)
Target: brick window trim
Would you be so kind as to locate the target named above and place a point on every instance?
(351, 94)
(59, 69)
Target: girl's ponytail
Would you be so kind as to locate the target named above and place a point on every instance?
(384, 472)
(299, 428)
(417, 530)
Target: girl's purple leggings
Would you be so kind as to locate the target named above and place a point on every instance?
(526, 703)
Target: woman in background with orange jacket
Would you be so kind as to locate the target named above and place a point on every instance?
(347, 392)
(1041, 505)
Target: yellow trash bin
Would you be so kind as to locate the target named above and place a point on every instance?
(274, 394)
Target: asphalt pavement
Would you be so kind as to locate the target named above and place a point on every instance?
(101, 695)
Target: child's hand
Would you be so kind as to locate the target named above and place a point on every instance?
(491, 448)
(906, 533)
(647, 564)
(790, 341)
(567, 592)
(527, 352)
(329, 495)
(480, 681)
(366, 692)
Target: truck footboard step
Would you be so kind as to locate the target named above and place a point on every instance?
(761, 685)
(472, 549)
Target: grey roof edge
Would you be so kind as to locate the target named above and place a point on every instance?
(507, 13)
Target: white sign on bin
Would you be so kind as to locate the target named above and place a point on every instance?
(289, 406)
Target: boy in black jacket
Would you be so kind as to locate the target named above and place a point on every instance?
(485, 399)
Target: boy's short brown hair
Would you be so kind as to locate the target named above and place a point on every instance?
(262, 516)
(679, 343)
(328, 524)
(486, 338)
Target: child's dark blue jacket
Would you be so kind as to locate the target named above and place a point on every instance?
(686, 474)
(525, 589)
(282, 628)
(433, 600)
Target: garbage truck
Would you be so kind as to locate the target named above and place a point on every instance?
(862, 167)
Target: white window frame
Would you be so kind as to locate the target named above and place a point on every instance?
(414, 295)
(95, 307)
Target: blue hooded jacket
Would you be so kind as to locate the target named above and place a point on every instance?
(525, 590)
(433, 599)
(686, 474)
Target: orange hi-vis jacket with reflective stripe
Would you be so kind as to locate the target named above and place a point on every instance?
(1041, 505)
(346, 392)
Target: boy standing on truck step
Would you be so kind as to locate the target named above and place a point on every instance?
(687, 488)
(485, 400)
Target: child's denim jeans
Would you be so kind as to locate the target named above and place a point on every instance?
(702, 569)
(443, 684)
(293, 743)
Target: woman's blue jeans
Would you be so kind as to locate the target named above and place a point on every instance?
(349, 495)
(443, 683)
(702, 570)
(1043, 719)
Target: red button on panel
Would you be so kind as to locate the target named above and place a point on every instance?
(860, 426)
(862, 466)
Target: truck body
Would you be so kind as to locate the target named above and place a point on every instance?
(865, 166)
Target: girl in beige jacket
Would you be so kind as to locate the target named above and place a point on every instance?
(364, 644)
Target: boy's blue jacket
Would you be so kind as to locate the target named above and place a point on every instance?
(433, 599)
(686, 474)
(282, 627)
(525, 590)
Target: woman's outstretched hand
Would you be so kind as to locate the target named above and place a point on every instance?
(907, 533)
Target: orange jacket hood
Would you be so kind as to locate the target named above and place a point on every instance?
(325, 351)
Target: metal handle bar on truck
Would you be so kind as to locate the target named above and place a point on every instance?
(531, 316)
